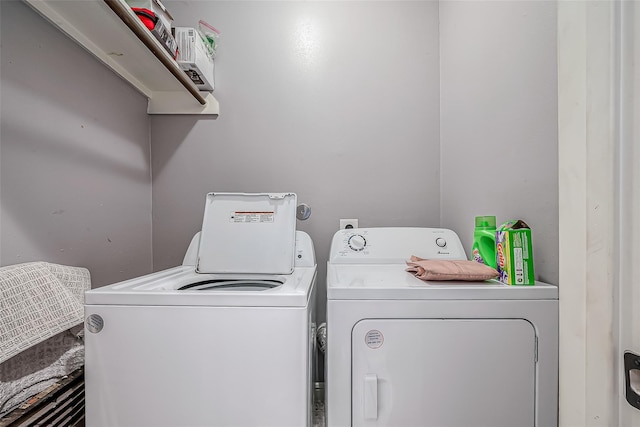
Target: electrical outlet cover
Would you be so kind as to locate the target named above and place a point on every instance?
(345, 223)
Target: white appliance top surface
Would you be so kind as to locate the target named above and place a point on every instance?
(162, 289)
(392, 282)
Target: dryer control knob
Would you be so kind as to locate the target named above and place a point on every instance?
(441, 242)
(357, 242)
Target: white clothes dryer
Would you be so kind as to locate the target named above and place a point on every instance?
(225, 339)
(402, 352)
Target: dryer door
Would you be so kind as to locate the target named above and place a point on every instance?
(443, 372)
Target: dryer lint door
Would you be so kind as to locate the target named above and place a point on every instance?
(443, 372)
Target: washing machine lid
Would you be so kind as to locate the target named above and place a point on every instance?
(392, 282)
(248, 233)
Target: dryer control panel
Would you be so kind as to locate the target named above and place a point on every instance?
(389, 245)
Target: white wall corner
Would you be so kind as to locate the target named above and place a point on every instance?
(587, 119)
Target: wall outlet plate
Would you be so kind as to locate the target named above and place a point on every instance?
(348, 223)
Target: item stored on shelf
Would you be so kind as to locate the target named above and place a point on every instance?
(148, 18)
(156, 7)
(159, 31)
(210, 36)
(193, 57)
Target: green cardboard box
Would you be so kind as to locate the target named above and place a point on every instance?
(514, 253)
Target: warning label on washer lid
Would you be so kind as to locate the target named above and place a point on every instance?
(374, 339)
(252, 217)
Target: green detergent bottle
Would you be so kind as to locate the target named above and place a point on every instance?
(484, 241)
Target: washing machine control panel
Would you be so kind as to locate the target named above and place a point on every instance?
(394, 245)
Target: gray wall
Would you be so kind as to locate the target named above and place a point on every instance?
(336, 101)
(499, 120)
(74, 155)
(367, 110)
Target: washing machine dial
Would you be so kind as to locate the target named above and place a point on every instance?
(441, 242)
(357, 242)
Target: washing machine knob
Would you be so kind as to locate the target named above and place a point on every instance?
(441, 242)
(357, 242)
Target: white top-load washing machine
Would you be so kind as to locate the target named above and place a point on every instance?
(225, 339)
(402, 352)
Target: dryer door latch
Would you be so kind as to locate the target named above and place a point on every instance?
(370, 397)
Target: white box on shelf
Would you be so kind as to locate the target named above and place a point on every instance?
(156, 7)
(194, 58)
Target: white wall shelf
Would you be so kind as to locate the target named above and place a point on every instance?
(112, 32)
